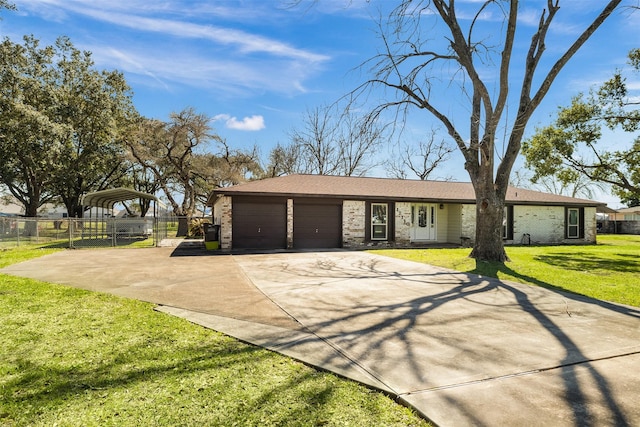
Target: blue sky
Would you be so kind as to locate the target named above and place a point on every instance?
(256, 65)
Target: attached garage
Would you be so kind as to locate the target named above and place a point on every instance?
(317, 223)
(259, 223)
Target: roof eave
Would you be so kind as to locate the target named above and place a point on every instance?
(222, 193)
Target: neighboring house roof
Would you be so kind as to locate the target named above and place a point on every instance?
(12, 209)
(606, 210)
(386, 189)
(633, 210)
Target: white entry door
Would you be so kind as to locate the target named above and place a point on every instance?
(423, 224)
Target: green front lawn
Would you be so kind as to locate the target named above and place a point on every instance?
(608, 271)
(18, 254)
(70, 357)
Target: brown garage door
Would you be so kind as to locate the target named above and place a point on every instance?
(259, 224)
(317, 224)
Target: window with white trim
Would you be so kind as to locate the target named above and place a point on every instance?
(379, 221)
(573, 223)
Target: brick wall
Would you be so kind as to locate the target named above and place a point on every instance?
(468, 221)
(546, 224)
(353, 223)
(590, 225)
(403, 223)
(222, 216)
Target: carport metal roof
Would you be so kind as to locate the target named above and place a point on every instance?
(107, 198)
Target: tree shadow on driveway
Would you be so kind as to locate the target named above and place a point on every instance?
(579, 402)
(421, 329)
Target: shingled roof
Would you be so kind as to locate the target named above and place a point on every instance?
(358, 188)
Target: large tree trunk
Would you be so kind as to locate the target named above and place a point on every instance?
(31, 211)
(31, 208)
(488, 244)
(183, 226)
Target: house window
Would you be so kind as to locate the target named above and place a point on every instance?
(574, 223)
(379, 221)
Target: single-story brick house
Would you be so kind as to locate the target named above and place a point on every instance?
(320, 211)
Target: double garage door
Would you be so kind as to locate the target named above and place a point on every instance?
(260, 223)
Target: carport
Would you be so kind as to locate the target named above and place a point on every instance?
(105, 227)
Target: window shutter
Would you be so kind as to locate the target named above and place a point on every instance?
(510, 222)
(581, 223)
(367, 221)
(391, 221)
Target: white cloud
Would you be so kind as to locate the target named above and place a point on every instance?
(252, 123)
(633, 85)
(164, 44)
(244, 41)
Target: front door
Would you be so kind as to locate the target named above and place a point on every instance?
(423, 222)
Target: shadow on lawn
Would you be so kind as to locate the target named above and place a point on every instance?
(136, 384)
(583, 261)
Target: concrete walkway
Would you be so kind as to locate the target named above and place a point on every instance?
(461, 349)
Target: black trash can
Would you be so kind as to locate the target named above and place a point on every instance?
(211, 232)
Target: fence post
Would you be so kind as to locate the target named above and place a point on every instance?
(70, 229)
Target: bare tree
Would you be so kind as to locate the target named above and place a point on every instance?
(328, 143)
(569, 183)
(284, 160)
(357, 142)
(421, 159)
(315, 142)
(412, 67)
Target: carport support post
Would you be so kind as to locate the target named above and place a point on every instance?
(156, 225)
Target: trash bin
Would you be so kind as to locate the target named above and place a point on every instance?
(211, 232)
(205, 229)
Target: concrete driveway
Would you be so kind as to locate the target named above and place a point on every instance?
(461, 349)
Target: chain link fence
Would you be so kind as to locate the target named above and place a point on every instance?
(96, 232)
(81, 232)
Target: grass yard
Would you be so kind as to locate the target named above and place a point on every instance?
(607, 271)
(70, 357)
(23, 253)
